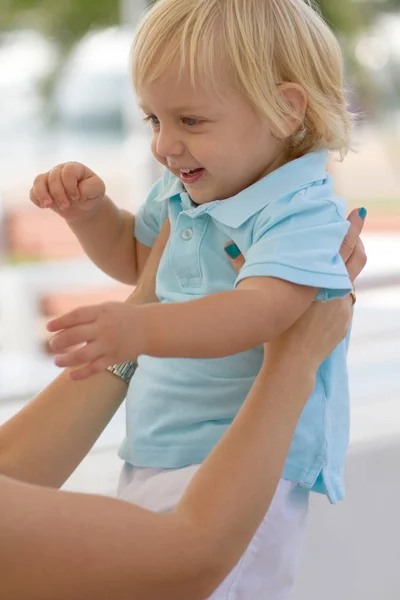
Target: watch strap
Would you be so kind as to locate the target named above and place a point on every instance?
(124, 371)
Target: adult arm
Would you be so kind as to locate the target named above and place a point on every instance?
(91, 547)
(45, 441)
(57, 545)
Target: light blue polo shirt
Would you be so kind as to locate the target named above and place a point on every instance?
(287, 225)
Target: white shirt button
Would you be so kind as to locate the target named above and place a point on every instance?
(187, 234)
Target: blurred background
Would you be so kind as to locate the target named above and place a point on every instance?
(65, 95)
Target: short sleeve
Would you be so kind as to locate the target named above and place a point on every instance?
(300, 243)
(151, 215)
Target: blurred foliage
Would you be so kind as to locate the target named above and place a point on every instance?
(64, 20)
(68, 20)
(342, 15)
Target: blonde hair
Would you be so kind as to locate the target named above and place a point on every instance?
(262, 43)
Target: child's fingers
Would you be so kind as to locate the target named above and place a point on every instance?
(72, 337)
(97, 366)
(71, 174)
(234, 255)
(92, 187)
(40, 192)
(79, 316)
(56, 188)
(34, 199)
(77, 358)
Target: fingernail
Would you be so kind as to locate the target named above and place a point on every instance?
(362, 213)
(233, 251)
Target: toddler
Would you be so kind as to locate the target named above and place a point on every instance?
(245, 101)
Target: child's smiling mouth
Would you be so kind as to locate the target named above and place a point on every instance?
(191, 176)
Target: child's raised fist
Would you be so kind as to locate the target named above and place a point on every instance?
(71, 189)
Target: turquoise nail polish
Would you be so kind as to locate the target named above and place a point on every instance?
(362, 213)
(233, 251)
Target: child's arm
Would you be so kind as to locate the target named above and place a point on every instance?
(104, 231)
(226, 323)
(107, 239)
(219, 325)
(294, 253)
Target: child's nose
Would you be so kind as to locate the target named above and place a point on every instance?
(169, 143)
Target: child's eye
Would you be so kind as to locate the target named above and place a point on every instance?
(191, 121)
(152, 119)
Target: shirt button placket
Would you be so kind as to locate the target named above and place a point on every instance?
(187, 234)
(185, 250)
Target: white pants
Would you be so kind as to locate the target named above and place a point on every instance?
(267, 568)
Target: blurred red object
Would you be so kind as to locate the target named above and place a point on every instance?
(35, 234)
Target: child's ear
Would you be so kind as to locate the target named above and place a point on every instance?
(297, 99)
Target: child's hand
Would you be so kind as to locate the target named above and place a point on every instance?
(72, 190)
(112, 333)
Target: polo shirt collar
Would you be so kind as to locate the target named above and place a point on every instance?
(173, 187)
(235, 211)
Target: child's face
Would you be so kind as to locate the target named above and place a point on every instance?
(224, 143)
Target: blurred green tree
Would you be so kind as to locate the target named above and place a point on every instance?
(68, 20)
(65, 20)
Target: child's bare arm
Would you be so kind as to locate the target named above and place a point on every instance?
(260, 309)
(105, 232)
(107, 239)
(218, 325)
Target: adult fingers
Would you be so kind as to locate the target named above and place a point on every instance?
(357, 261)
(235, 256)
(357, 220)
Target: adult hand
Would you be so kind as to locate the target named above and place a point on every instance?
(352, 250)
(317, 333)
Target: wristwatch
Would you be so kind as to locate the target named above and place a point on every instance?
(124, 371)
